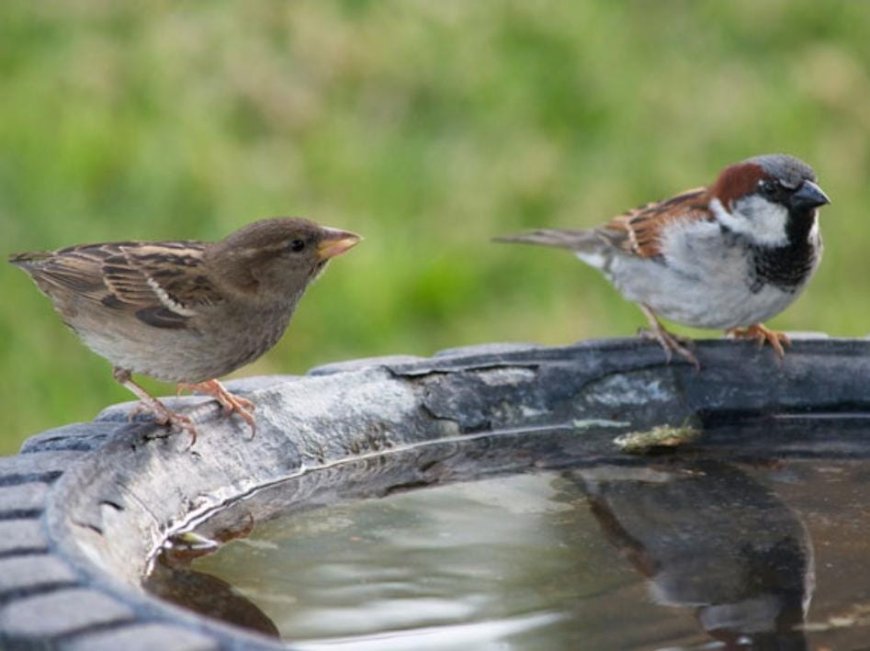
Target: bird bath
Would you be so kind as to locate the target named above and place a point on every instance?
(470, 500)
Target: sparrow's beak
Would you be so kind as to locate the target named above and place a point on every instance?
(808, 196)
(336, 242)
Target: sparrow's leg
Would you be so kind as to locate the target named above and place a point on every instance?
(762, 335)
(670, 342)
(230, 403)
(162, 414)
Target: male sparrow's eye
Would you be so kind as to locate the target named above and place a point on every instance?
(768, 188)
(297, 245)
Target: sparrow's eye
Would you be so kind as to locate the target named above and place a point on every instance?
(297, 245)
(768, 188)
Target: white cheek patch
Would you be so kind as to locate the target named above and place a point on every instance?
(814, 230)
(756, 217)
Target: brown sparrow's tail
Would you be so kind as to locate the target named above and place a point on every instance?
(28, 260)
(578, 241)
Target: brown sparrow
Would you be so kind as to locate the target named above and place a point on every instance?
(727, 256)
(186, 312)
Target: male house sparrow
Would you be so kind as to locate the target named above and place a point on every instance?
(186, 312)
(727, 256)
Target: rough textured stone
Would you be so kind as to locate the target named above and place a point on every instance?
(22, 500)
(81, 437)
(143, 637)
(23, 573)
(364, 363)
(22, 536)
(60, 613)
(37, 466)
(488, 350)
(110, 508)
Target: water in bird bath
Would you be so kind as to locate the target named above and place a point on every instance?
(513, 541)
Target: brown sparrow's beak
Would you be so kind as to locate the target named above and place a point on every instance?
(336, 242)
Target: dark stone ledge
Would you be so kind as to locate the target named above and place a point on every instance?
(84, 507)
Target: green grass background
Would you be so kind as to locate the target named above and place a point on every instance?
(428, 126)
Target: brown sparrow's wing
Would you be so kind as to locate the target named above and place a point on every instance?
(165, 282)
(161, 284)
(638, 232)
(75, 271)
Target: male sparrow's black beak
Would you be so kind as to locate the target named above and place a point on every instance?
(808, 196)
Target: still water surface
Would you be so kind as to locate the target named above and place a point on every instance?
(662, 554)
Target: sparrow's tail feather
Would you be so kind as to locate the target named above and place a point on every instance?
(579, 241)
(28, 260)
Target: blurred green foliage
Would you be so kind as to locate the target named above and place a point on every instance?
(428, 126)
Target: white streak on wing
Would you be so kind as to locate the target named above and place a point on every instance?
(167, 300)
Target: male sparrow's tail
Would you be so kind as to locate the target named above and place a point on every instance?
(577, 241)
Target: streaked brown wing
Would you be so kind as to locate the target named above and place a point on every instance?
(161, 284)
(174, 272)
(639, 231)
(74, 269)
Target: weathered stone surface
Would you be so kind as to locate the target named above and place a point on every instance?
(112, 506)
(23, 573)
(22, 536)
(38, 466)
(22, 500)
(60, 613)
(490, 350)
(364, 363)
(81, 437)
(143, 637)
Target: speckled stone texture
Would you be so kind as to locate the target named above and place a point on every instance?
(84, 507)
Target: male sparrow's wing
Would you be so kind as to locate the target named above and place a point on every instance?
(639, 231)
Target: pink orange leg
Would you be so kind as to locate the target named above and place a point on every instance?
(762, 334)
(670, 342)
(162, 414)
(231, 404)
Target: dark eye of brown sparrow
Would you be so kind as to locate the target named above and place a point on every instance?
(296, 245)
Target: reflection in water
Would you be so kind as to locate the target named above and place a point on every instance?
(713, 539)
(517, 560)
(172, 579)
(208, 595)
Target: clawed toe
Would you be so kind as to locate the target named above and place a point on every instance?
(165, 417)
(762, 335)
(149, 404)
(181, 423)
(230, 404)
(670, 342)
(233, 404)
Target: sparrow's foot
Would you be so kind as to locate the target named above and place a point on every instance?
(174, 421)
(231, 404)
(669, 341)
(147, 403)
(762, 334)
